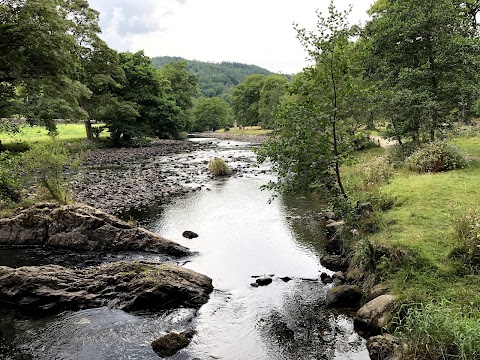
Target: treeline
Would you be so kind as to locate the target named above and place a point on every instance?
(53, 64)
(412, 70)
(215, 80)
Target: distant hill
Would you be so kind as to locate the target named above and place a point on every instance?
(215, 79)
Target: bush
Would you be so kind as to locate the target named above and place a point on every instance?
(441, 331)
(435, 157)
(218, 167)
(9, 178)
(467, 233)
(227, 128)
(48, 163)
(397, 154)
(361, 141)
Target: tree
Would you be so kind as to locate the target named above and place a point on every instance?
(311, 141)
(183, 87)
(424, 58)
(246, 98)
(210, 114)
(273, 89)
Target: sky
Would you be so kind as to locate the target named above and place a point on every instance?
(258, 32)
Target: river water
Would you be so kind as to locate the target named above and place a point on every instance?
(241, 235)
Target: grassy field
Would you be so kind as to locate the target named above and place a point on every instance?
(32, 134)
(247, 130)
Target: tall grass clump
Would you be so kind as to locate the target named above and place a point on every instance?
(218, 167)
(467, 233)
(9, 178)
(441, 331)
(435, 157)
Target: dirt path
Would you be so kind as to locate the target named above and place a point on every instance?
(381, 141)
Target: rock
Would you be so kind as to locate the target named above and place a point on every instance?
(364, 209)
(286, 279)
(170, 344)
(334, 262)
(330, 215)
(339, 276)
(386, 347)
(335, 244)
(326, 279)
(334, 227)
(264, 280)
(344, 296)
(377, 290)
(255, 285)
(189, 234)
(376, 314)
(82, 228)
(130, 286)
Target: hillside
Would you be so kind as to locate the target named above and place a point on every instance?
(215, 79)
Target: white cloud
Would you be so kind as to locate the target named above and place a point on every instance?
(257, 32)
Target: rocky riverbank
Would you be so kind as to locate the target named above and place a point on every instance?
(357, 287)
(120, 180)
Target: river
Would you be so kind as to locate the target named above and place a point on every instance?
(241, 235)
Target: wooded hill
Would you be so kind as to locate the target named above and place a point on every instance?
(215, 79)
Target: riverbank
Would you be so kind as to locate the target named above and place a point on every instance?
(414, 247)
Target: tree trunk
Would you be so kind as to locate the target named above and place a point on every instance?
(88, 130)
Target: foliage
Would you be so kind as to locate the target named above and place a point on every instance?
(215, 80)
(441, 331)
(245, 100)
(314, 132)
(49, 164)
(9, 178)
(423, 58)
(211, 114)
(218, 167)
(467, 233)
(397, 154)
(437, 156)
(271, 94)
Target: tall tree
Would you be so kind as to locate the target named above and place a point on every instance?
(210, 114)
(424, 57)
(246, 98)
(271, 93)
(310, 143)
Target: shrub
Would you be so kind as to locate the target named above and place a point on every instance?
(467, 233)
(9, 178)
(441, 331)
(437, 156)
(218, 167)
(397, 154)
(227, 128)
(47, 163)
(361, 141)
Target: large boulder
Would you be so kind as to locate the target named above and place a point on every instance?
(82, 228)
(344, 296)
(386, 347)
(129, 286)
(376, 314)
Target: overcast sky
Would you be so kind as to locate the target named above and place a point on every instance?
(255, 32)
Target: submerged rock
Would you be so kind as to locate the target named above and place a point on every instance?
(264, 280)
(82, 228)
(189, 234)
(123, 285)
(170, 344)
(386, 347)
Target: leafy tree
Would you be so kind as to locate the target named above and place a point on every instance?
(246, 98)
(424, 57)
(311, 141)
(273, 89)
(183, 86)
(210, 114)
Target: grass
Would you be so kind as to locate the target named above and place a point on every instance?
(218, 167)
(247, 130)
(32, 134)
(422, 224)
